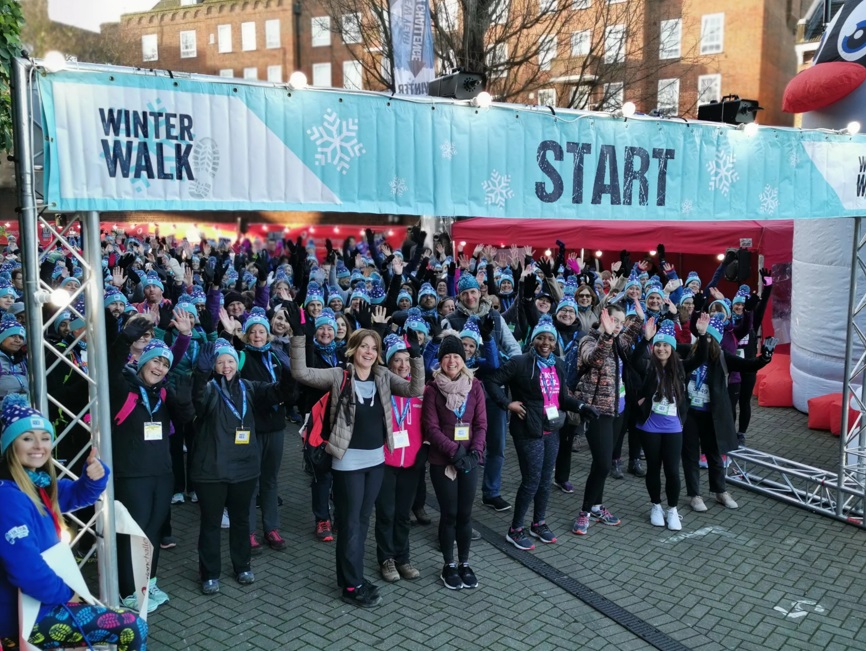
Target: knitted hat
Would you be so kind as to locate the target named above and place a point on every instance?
(451, 345)
(415, 321)
(356, 277)
(9, 326)
(693, 276)
(230, 278)
(67, 316)
(716, 327)
(393, 344)
(743, 293)
(59, 266)
(570, 288)
(314, 294)
(633, 281)
(467, 281)
(334, 294)
(545, 324)
(233, 297)
(281, 277)
(249, 279)
(18, 417)
(360, 292)
(377, 294)
(567, 301)
(687, 294)
(156, 348)
(426, 290)
(223, 347)
(78, 321)
(505, 275)
(327, 318)
(6, 288)
(726, 306)
(152, 279)
(257, 316)
(66, 281)
(470, 329)
(185, 303)
(113, 295)
(655, 289)
(666, 334)
(404, 295)
(198, 297)
(343, 270)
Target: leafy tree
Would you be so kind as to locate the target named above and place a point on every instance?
(11, 20)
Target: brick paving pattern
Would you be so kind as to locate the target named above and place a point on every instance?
(729, 580)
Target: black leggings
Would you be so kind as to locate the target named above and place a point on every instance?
(536, 458)
(213, 497)
(734, 397)
(562, 470)
(629, 425)
(699, 435)
(747, 387)
(601, 434)
(355, 493)
(662, 450)
(455, 507)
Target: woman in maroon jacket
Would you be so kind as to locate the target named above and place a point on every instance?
(455, 424)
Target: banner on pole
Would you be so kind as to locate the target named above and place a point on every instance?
(412, 45)
(132, 141)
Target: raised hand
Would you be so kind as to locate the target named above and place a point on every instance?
(667, 267)
(702, 323)
(397, 265)
(616, 266)
(650, 329)
(364, 315)
(380, 314)
(643, 265)
(638, 309)
(118, 278)
(766, 277)
(606, 322)
(464, 262)
(183, 321)
(413, 343)
(716, 294)
(229, 323)
(293, 316)
(93, 467)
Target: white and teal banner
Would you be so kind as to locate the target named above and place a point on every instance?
(126, 141)
(412, 45)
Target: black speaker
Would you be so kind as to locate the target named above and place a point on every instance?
(744, 265)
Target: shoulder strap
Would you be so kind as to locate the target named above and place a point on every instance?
(242, 357)
(127, 408)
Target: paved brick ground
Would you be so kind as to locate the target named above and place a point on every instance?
(729, 580)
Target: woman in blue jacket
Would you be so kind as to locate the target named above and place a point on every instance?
(31, 522)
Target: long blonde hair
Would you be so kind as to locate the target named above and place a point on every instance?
(20, 477)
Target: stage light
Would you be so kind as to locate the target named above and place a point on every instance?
(720, 257)
(54, 61)
(853, 127)
(482, 100)
(60, 298)
(297, 80)
(598, 254)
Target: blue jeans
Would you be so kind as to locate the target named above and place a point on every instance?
(497, 427)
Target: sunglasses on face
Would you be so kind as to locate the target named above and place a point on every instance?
(584, 295)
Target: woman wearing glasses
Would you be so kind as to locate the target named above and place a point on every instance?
(588, 307)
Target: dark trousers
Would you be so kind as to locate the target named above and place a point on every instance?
(662, 450)
(537, 458)
(183, 435)
(747, 387)
(497, 428)
(148, 500)
(601, 434)
(399, 487)
(734, 397)
(355, 493)
(213, 497)
(630, 425)
(421, 491)
(699, 435)
(271, 448)
(562, 470)
(320, 490)
(455, 510)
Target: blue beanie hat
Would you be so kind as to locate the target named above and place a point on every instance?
(377, 294)
(327, 318)
(59, 266)
(405, 295)
(18, 417)
(6, 288)
(257, 316)
(9, 326)
(666, 334)
(67, 316)
(415, 321)
(281, 277)
(393, 344)
(78, 321)
(570, 288)
(426, 290)
(361, 293)
(314, 294)
(185, 303)
(113, 295)
(567, 301)
(726, 305)
(655, 289)
(633, 281)
(743, 293)
(716, 327)
(70, 279)
(198, 297)
(687, 294)
(223, 347)
(343, 270)
(156, 348)
(471, 330)
(152, 279)
(467, 281)
(693, 276)
(334, 294)
(357, 276)
(545, 324)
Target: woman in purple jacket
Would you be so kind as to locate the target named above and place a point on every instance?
(455, 424)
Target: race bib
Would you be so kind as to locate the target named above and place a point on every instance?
(153, 431)
(699, 397)
(551, 412)
(461, 432)
(664, 408)
(401, 439)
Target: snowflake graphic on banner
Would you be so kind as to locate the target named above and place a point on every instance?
(497, 189)
(769, 199)
(337, 141)
(398, 186)
(794, 157)
(448, 149)
(722, 172)
(687, 207)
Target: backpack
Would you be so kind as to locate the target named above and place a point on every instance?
(132, 400)
(317, 432)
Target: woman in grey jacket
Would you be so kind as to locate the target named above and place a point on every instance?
(361, 425)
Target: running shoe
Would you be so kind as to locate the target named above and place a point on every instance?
(519, 539)
(323, 531)
(542, 532)
(581, 524)
(604, 516)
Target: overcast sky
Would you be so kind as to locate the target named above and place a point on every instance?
(90, 13)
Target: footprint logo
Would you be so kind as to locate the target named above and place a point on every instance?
(205, 158)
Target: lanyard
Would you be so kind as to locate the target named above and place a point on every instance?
(401, 418)
(548, 383)
(461, 410)
(700, 376)
(145, 400)
(47, 502)
(266, 360)
(231, 405)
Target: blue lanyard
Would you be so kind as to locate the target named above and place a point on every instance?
(266, 360)
(700, 376)
(406, 405)
(145, 400)
(231, 405)
(461, 410)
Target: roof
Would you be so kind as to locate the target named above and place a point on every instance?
(815, 19)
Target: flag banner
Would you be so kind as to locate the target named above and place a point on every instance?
(412, 45)
(132, 141)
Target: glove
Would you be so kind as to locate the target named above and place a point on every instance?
(207, 275)
(625, 259)
(364, 315)
(660, 250)
(219, 272)
(479, 457)
(546, 268)
(136, 327)
(206, 358)
(262, 268)
(125, 260)
(414, 344)
(560, 244)
(766, 277)
(293, 316)
(487, 325)
(467, 463)
(175, 269)
(529, 285)
(166, 314)
(768, 348)
(460, 454)
(587, 412)
(205, 319)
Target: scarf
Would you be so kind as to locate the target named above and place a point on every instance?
(260, 349)
(455, 391)
(40, 478)
(330, 349)
(544, 362)
(584, 308)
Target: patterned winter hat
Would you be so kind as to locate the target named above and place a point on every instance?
(426, 290)
(185, 303)
(357, 277)
(223, 347)
(18, 417)
(6, 288)
(404, 295)
(335, 294)
(393, 344)
(545, 324)
(114, 295)
(152, 279)
(655, 289)
(666, 334)
(567, 301)
(314, 294)
(78, 321)
(687, 294)
(415, 321)
(570, 288)
(257, 317)
(506, 275)
(716, 327)
(230, 278)
(377, 294)
(281, 277)
(467, 281)
(156, 348)
(360, 292)
(327, 318)
(693, 276)
(249, 279)
(471, 330)
(725, 303)
(633, 281)
(9, 326)
(343, 270)
(743, 294)
(59, 266)
(198, 297)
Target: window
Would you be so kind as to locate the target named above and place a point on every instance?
(184, 3)
(496, 60)
(613, 96)
(272, 33)
(248, 36)
(224, 38)
(546, 52)
(581, 4)
(670, 39)
(498, 12)
(547, 97)
(709, 89)
(614, 44)
(227, 72)
(386, 69)
(712, 33)
(581, 96)
(669, 96)
(352, 75)
(580, 43)
(187, 44)
(275, 74)
(322, 74)
(546, 6)
(321, 31)
(149, 48)
(351, 28)
(251, 73)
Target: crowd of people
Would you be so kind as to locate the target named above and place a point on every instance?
(404, 360)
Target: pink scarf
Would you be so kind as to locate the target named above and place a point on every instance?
(455, 391)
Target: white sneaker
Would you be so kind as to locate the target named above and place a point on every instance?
(726, 499)
(177, 498)
(225, 523)
(657, 516)
(673, 518)
(193, 497)
(697, 504)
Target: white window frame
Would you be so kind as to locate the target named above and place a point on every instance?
(251, 73)
(320, 31)
(353, 75)
(582, 96)
(547, 6)
(581, 43)
(614, 44)
(671, 38)
(275, 74)
(499, 11)
(498, 55)
(613, 96)
(351, 24)
(713, 35)
(248, 36)
(227, 72)
(272, 34)
(547, 51)
(577, 5)
(187, 3)
(224, 39)
(187, 52)
(708, 81)
(320, 69)
(672, 87)
(147, 48)
(385, 69)
(547, 97)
